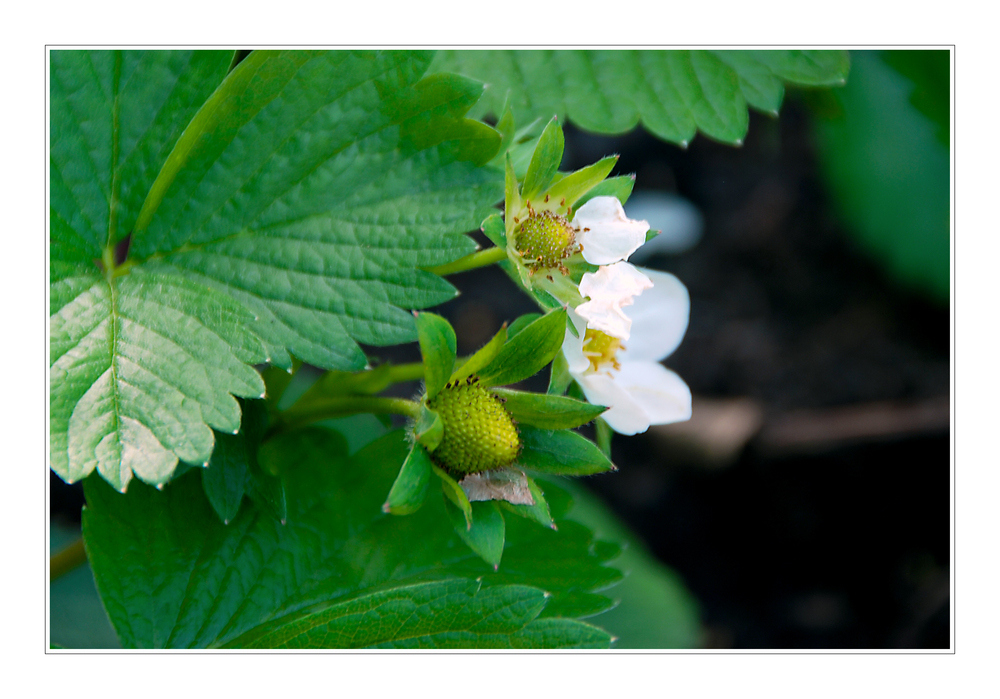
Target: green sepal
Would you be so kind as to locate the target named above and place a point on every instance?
(547, 411)
(619, 187)
(544, 161)
(483, 356)
(527, 352)
(429, 428)
(523, 148)
(561, 453)
(511, 197)
(521, 322)
(410, 487)
(603, 436)
(574, 185)
(539, 512)
(651, 234)
(493, 229)
(559, 376)
(486, 535)
(437, 346)
(455, 495)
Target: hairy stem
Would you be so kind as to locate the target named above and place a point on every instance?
(482, 258)
(341, 406)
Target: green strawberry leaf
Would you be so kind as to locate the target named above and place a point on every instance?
(115, 116)
(673, 94)
(215, 583)
(291, 213)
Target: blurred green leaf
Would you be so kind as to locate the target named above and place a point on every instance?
(656, 610)
(672, 93)
(890, 173)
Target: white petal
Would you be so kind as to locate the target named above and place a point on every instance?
(659, 319)
(610, 288)
(573, 346)
(659, 392)
(625, 415)
(606, 233)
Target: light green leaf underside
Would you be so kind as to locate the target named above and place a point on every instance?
(673, 94)
(338, 560)
(140, 372)
(295, 191)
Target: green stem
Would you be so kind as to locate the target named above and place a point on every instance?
(341, 406)
(67, 559)
(482, 258)
(406, 372)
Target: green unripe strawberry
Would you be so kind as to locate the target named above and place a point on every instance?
(545, 239)
(479, 433)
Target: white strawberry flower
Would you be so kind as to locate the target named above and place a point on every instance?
(629, 378)
(609, 289)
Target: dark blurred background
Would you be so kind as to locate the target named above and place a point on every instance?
(807, 503)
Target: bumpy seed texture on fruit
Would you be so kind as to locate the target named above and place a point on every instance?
(545, 239)
(479, 433)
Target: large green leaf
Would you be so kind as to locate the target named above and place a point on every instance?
(338, 560)
(292, 214)
(295, 190)
(672, 93)
(115, 116)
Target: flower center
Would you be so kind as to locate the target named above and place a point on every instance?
(479, 433)
(601, 348)
(545, 239)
